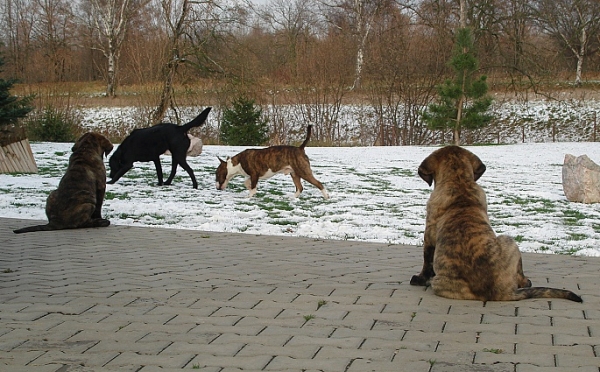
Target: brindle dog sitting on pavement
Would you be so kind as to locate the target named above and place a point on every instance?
(77, 202)
(463, 257)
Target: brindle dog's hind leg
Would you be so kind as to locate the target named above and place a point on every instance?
(453, 288)
(97, 222)
(81, 216)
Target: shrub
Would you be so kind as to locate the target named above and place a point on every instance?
(53, 125)
(242, 124)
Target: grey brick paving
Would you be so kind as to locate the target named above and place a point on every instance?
(147, 300)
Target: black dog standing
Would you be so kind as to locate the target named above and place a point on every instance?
(148, 144)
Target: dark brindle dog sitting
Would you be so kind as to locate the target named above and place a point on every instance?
(463, 257)
(148, 144)
(77, 202)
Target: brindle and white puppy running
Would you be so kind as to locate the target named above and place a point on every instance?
(77, 202)
(257, 164)
(463, 257)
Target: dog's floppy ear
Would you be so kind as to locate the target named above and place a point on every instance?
(478, 167)
(103, 142)
(426, 172)
(107, 146)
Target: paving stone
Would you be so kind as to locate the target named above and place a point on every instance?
(525, 367)
(165, 299)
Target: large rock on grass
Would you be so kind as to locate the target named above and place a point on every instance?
(195, 148)
(581, 179)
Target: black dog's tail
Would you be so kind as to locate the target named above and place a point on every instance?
(543, 292)
(198, 120)
(33, 228)
(308, 132)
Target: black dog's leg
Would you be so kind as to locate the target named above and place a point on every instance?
(159, 172)
(120, 173)
(179, 158)
(190, 171)
(173, 170)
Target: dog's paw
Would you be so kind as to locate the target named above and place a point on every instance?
(110, 182)
(418, 280)
(102, 222)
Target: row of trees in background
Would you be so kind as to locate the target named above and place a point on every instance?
(391, 54)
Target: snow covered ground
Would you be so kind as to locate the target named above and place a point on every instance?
(376, 196)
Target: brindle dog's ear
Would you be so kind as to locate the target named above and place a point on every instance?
(104, 143)
(426, 172)
(107, 146)
(478, 167)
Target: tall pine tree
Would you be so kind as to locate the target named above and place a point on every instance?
(12, 108)
(463, 101)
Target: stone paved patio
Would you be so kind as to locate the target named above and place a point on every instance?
(152, 299)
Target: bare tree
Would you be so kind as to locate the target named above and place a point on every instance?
(514, 19)
(290, 21)
(110, 20)
(17, 19)
(176, 16)
(358, 16)
(55, 33)
(323, 70)
(573, 23)
(189, 25)
(404, 74)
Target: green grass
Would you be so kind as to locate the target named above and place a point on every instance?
(574, 214)
(573, 218)
(403, 172)
(494, 351)
(112, 195)
(569, 252)
(531, 203)
(577, 237)
(284, 222)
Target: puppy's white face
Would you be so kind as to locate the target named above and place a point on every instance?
(227, 171)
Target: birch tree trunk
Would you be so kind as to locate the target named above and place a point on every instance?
(110, 21)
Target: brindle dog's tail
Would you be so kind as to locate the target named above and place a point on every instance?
(33, 228)
(543, 292)
(308, 132)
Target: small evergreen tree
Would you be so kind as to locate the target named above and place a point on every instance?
(12, 108)
(463, 101)
(242, 124)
